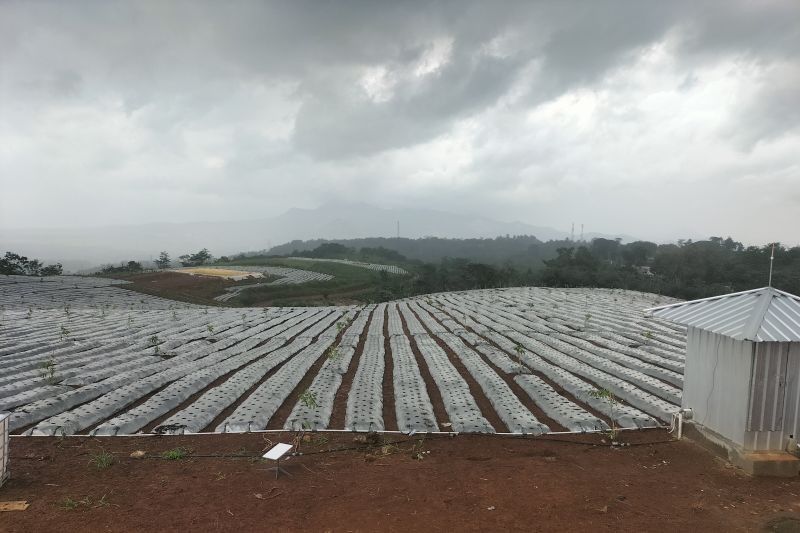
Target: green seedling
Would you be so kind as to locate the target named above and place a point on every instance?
(154, 341)
(333, 353)
(519, 349)
(612, 401)
(48, 370)
(68, 504)
(309, 399)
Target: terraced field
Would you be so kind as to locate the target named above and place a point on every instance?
(79, 355)
(391, 269)
(288, 276)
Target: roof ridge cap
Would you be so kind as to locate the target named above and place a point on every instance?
(753, 325)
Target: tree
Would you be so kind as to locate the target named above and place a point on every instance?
(200, 258)
(19, 265)
(163, 260)
(53, 270)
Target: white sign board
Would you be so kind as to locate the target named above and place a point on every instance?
(277, 451)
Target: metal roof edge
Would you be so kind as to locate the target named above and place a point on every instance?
(710, 298)
(784, 293)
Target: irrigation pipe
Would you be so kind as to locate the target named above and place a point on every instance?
(345, 431)
(364, 447)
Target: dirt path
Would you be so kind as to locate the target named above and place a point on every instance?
(465, 483)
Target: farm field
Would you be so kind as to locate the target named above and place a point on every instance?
(215, 285)
(391, 269)
(347, 283)
(82, 356)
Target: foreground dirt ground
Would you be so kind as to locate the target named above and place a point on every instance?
(463, 483)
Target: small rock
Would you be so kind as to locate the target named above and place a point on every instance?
(491, 508)
(138, 454)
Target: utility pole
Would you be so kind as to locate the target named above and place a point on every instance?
(771, 261)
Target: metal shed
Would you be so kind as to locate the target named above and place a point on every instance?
(742, 375)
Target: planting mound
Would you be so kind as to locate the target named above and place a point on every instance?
(79, 355)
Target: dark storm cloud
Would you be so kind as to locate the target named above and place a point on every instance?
(503, 106)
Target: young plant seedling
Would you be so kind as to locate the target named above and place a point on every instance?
(48, 370)
(519, 350)
(309, 399)
(68, 504)
(154, 340)
(63, 333)
(608, 397)
(333, 353)
(418, 451)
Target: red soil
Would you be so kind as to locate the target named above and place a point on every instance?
(465, 483)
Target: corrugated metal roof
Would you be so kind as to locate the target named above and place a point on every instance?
(760, 315)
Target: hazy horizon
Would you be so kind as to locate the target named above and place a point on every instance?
(658, 120)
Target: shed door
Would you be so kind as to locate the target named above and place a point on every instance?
(768, 386)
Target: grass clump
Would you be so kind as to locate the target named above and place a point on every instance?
(175, 454)
(101, 460)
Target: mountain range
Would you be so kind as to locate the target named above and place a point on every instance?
(79, 248)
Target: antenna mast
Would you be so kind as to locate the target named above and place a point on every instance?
(398, 229)
(581, 232)
(771, 260)
(572, 234)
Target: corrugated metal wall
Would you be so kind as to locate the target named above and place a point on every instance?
(717, 382)
(779, 400)
(768, 387)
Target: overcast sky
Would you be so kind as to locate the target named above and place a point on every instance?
(657, 119)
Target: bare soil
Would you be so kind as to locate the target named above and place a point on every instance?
(463, 483)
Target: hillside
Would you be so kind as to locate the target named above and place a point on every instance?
(78, 248)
